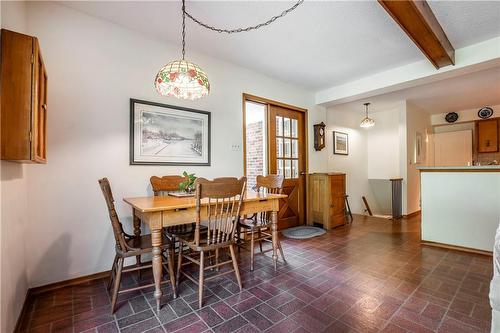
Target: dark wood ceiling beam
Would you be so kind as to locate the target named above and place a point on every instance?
(418, 21)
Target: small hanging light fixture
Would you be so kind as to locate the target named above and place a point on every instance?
(181, 78)
(367, 121)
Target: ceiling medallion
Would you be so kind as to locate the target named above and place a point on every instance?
(186, 80)
(367, 121)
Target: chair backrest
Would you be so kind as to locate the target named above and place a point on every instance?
(272, 183)
(223, 209)
(165, 184)
(225, 179)
(115, 222)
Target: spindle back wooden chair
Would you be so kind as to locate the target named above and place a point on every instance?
(219, 203)
(165, 184)
(162, 186)
(260, 223)
(131, 246)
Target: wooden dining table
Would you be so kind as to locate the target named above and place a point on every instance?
(164, 211)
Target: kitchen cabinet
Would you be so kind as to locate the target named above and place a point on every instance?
(487, 135)
(24, 99)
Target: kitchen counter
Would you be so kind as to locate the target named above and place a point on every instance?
(486, 168)
(460, 206)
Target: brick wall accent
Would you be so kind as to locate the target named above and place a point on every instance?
(255, 151)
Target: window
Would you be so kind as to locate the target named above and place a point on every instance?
(287, 147)
(256, 148)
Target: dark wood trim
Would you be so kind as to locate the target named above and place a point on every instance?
(24, 311)
(263, 100)
(412, 214)
(132, 128)
(457, 248)
(418, 21)
(71, 282)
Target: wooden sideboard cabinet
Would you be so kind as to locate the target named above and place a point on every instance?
(24, 99)
(326, 199)
(487, 135)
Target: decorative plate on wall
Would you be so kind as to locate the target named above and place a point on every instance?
(485, 113)
(451, 117)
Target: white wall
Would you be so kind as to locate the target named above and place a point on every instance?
(383, 145)
(94, 67)
(417, 120)
(355, 165)
(14, 210)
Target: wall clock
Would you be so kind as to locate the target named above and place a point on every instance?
(451, 117)
(485, 113)
(319, 136)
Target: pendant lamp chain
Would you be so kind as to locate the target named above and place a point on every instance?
(246, 29)
(184, 79)
(183, 29)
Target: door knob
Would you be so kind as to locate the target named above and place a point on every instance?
(303, 173)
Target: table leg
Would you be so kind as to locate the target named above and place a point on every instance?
(274, 232)
(156, 242)
(137, 233)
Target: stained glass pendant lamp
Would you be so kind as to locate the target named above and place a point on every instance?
(181, 78)
(367, 121)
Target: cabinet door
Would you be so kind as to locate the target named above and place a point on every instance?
(487, 136)
(16, 90)
(39, 127)
(337, 200)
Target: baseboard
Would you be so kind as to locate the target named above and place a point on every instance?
(412, 214)
(24, 311)
(457, 248)
(67, 283)
(32, 292)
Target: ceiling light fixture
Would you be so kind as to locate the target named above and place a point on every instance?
(181, 78)
(185, 80)
(367, 121)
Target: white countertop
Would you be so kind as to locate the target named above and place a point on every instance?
(465, 168)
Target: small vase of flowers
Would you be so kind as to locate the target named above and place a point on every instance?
(187, 185)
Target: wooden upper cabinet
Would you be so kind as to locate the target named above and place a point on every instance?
(487, 136)
(23, 99)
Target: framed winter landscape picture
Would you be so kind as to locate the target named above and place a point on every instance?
(168, 135)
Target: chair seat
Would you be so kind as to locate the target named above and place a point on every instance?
(188, 238)
(143, 243)
(254, 224)
(178, 230)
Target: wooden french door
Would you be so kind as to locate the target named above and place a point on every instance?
(287, 157)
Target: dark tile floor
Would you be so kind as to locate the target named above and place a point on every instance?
(371, 276)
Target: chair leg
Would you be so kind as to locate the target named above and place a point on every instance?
(200, 281)
(170, 257)
(179, 266)
(281, 250)
(252, 249)
(116, 287)
(238, 237)
(112, 274)
(217, 259)
(138, 263)
(260, 242)
(235, 266)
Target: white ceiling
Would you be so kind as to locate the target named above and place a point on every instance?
(459, 93)
(320, 44)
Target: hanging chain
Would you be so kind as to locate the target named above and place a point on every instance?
(183, 29)
(231, 31)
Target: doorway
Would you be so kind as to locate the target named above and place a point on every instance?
(275, 142)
